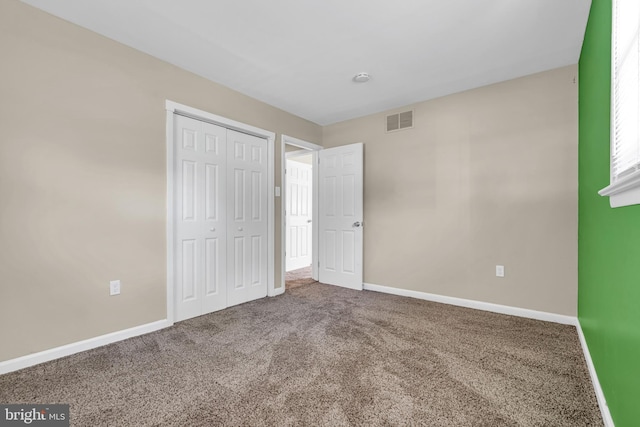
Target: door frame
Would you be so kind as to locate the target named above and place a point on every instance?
(313, 149)
(173, 108)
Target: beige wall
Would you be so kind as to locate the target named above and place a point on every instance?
(486, 177)
(82, 177)
(306, 159)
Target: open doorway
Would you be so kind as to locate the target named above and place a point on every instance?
(298, 211)
(299, 232)
(337, 212)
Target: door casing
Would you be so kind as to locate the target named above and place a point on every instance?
(313, 149)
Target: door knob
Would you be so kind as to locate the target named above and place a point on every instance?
(308, 221)
(212, 229)
(357, 224)
(239, 228)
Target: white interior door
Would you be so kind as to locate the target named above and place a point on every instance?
(246, 217)
(200, 217)
(298, 213)
(341, 216)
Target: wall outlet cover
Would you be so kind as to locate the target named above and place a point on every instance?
(114, 287)
(500, 270)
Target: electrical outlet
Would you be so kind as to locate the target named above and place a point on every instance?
(114, 287)
(500, 270)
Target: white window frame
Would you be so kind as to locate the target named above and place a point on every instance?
(624, 188)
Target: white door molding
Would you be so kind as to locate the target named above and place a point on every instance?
(313, 148)
(173, 108)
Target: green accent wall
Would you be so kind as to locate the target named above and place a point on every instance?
(608, 239)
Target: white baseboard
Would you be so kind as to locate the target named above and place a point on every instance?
(478, 305)
(77, 347)
(602, 402)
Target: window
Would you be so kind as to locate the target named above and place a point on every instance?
(624, 188)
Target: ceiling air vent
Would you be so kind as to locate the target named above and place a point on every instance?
(400, 121)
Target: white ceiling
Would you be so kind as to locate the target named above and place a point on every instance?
(301, 55)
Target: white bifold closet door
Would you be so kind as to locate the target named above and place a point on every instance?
(221, 217)
(246, 218)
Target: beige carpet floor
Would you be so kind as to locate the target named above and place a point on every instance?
(323, 355)
(296, 278)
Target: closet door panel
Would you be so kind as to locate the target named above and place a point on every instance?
(200, 217)
(215, 218)
(247, 166)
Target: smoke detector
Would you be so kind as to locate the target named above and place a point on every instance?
(361, 77)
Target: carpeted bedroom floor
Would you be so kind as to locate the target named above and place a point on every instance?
(296, 278)
(324, 355)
